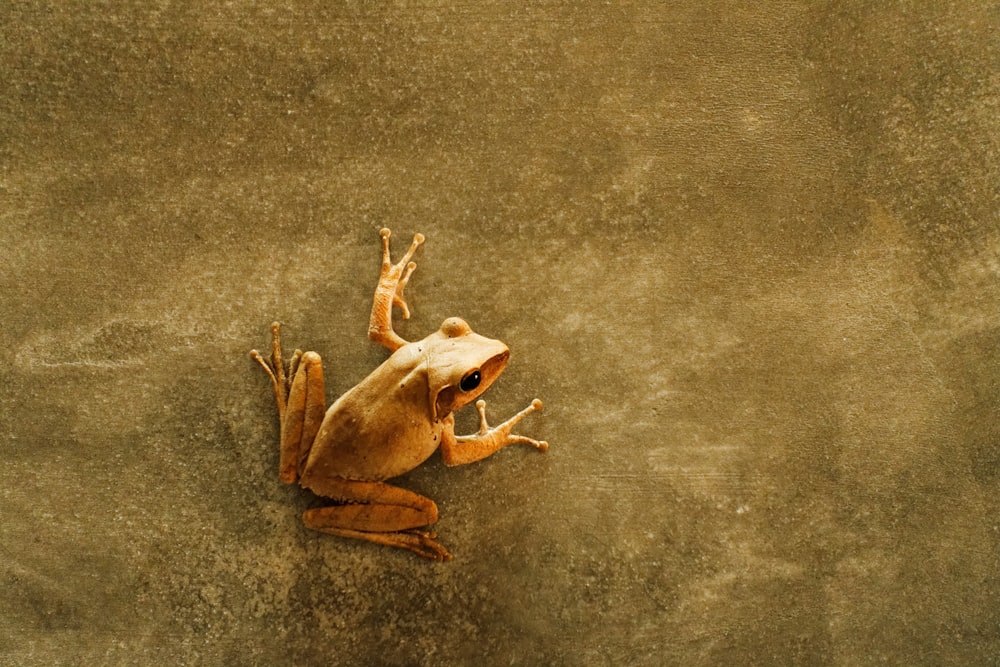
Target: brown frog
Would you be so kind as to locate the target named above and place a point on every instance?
(388, 424)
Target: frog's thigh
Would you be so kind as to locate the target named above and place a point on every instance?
(372, 507)
(303, 415)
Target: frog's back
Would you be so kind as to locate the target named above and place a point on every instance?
(379, 429)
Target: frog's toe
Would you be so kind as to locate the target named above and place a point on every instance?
(423, 544)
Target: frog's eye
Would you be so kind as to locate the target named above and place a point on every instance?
(470, 381)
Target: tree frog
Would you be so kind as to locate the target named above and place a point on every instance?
(388, 424)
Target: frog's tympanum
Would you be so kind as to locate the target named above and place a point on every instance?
(388, 424)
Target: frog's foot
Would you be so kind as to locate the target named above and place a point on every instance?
(377, 512)
(301, 400)
(488, 440)
(393, 279)
(275, 369)
(504, 429)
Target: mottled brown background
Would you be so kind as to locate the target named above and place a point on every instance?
(747, 253)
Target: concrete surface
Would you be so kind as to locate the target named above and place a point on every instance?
(746, 253)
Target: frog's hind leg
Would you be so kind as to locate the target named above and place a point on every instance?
(300, 396)
(378, 512)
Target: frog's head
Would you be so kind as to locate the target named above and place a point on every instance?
(461, 365)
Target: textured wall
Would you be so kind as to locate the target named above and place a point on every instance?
(747, 254)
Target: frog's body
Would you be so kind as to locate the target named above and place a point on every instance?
(357, 442)
(389, 423)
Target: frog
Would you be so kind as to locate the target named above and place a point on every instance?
(389, 423)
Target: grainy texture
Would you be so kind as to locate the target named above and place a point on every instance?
(747, 254)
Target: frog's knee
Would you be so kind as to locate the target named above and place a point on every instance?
(310, 359)
(431, 512)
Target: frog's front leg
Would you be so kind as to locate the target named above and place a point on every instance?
(376, 512)
(301, 400)
(389, 293)
(461, 449)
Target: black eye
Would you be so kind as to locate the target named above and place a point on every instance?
(470, 381)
